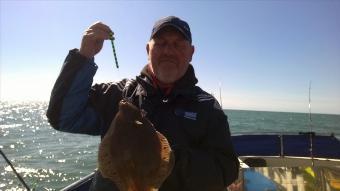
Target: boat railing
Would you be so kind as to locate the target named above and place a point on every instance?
(287, 144)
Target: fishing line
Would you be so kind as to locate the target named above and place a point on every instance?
(113, 48)
(15, 172)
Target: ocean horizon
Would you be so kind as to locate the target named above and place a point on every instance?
(50, 160)
(224, 108)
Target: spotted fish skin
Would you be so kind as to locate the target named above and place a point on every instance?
(133, 154)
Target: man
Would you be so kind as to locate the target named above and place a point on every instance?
(191, 119)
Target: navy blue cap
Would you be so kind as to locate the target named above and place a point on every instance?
(175, 22)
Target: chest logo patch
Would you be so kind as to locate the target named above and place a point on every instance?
(186, 114)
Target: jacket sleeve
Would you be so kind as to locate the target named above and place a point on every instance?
(69, 109)
(211, 166)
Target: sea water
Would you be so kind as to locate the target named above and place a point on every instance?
(50, 160)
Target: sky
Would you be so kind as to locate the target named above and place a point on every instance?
(261, 54)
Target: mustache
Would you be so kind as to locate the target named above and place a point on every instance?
(168, 59)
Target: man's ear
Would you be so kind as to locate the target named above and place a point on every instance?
(147, 48)
(192, 52)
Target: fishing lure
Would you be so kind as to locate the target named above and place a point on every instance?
(113, 48)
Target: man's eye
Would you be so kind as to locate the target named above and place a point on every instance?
(180, 44)
(159, 43)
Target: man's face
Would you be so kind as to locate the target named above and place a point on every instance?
(169, 54)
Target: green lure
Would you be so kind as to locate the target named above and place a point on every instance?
(113, 48)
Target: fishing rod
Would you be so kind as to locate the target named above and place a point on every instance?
(310, 125)
(15, 172)
(220, 84)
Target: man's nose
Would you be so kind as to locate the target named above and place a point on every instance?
(169, 49)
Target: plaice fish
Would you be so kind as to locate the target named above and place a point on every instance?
(133, 154)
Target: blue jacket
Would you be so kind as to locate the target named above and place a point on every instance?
(191, 119)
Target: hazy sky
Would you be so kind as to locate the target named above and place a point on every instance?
(263, 53)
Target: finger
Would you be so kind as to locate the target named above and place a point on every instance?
(101, 26)
(97, 34)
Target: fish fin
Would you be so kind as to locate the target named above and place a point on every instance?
(106, 166)
(167, 161)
